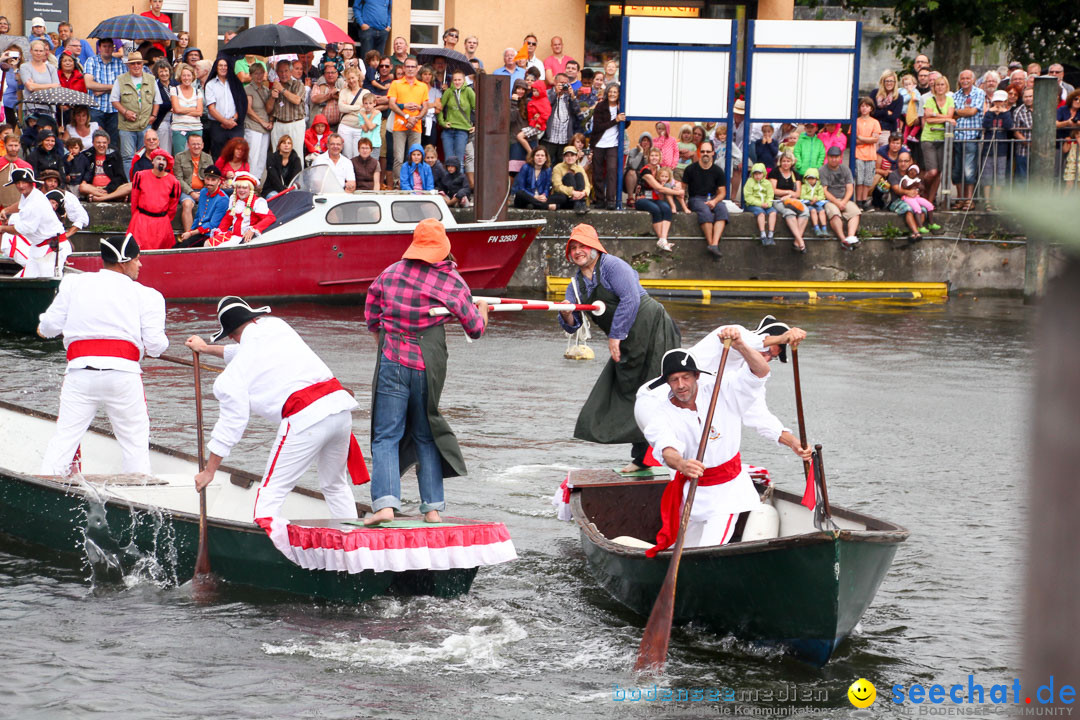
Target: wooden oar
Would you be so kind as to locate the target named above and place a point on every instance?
(820, 474)
(202, 560)
(798, 408)
(184, 361)
(596, 308)
(654, 643)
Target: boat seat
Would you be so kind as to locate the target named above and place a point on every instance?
(632, 542)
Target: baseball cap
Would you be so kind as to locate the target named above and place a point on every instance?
(834, 150)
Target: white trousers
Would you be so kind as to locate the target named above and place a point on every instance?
(37, 262)
(716, 510)
(351, 136)
(257, 144)
(295, 130)
(325, 442)
(83, 392)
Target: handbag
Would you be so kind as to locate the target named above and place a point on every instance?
(912, 116)
(794, 204)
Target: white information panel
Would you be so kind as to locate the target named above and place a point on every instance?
(798, 33)
(676, 83)
(679, 31)
(801, 85)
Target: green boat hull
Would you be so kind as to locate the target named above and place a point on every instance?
(23, 300)
(804, 592)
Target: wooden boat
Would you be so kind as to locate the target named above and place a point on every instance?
(804, 590)
(114, 520)
(23, 299)
(328, 245)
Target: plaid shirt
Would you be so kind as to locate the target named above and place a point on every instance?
(970, 127)
(1022, 124)
(106, 74)
(398, 301)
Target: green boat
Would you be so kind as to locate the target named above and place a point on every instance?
(804, 590)
(117, 521)
(24, 299)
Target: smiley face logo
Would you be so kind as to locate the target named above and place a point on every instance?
(862, 693)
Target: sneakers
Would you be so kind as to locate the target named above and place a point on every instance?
(924, 230)
(821, 231)
(934, 227)
(767, 240)
(714, 250)
(664, 245)
(581, 207)
(850, 242)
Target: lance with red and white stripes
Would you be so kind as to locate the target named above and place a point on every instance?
(513, 305)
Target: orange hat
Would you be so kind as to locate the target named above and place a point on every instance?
(430, 242)
(522, 54)
(586, 235)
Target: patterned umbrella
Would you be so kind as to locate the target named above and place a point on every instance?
(59, 96)
(132, 27)
(455, 61)
(270, 40)
(319, 30)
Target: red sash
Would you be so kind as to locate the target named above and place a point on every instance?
(302, 398)
(672, 500)
(103, 348)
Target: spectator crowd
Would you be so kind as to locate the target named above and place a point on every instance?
(174, 132)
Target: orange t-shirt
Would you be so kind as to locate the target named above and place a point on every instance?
(866, 127)
(402, 92)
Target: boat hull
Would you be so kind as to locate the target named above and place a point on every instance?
(23, 300)
(804, 593)
(325, 266)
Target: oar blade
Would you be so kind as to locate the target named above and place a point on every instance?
(652, 653)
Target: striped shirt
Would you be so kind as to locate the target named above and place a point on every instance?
(1022, 124)
(106, 74)
(970, 127)
(398, 303)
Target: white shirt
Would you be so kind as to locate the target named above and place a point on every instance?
(269, 364)
(107, 305)
(36, 220)
(709, 349)
(343, 168)
(76, 213)
(220, 96)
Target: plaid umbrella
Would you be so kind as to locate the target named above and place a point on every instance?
(132, 27)
(455, 61)
(319, 30)
(58, 96)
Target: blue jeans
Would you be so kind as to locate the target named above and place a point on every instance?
(965, 162)
(453, 144)
(1021, 168)
(401, 393)
(658, 209)
(372, 39)
(130, 141)
(107, 122)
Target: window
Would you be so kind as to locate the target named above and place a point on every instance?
(177, 10)
(234, 16)
(296, 8)
(413, 211)
(426, 21)
(354, 213)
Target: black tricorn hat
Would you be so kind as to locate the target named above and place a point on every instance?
(232, 312)
(771, 326)
(22, 175)
(119, 251)
(676, 360)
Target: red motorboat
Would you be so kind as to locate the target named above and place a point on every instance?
(329, 245)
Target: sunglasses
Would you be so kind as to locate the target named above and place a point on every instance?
(531, 44)
(384, 66)
(451, 35)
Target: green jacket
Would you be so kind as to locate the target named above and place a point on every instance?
(457, 108)
(815, 193)
(809, 153)
(139, 100)
(758, 193)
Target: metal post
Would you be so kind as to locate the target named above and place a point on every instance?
(621, 170)
(945, 185)
(492, 145)
(1041, 172)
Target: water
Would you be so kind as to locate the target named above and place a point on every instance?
(923, 412)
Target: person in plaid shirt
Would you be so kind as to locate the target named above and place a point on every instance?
(100, 74)
(406, 426)
(970, 102)
(1022, 131)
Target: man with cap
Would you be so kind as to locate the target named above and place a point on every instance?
(155, 196)
(137, 101)
(213, 204)
(671, 411)
(109, 322)
(30, 232)
(406, 426)
(639, 332)
(839, 187)
(272, 372)
(76, 214)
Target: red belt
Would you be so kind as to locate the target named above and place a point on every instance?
(671, 502)
(58, 238)
(103, 348)
(302, 398)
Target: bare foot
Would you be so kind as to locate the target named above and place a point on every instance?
(631, 468)
(432, 516)
(382, 516)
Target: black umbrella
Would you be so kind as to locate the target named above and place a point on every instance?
(455, 61)
(59, 96)
(270, 40)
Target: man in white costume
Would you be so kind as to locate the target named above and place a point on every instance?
(76, 214)
(30, 232)
(109, 322)
(671, 411)
(272, 372)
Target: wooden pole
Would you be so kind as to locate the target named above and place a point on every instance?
(491, 145)
(1041, 173)
(202, 560)
(799, 408)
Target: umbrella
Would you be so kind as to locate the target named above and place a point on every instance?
(132, 27)
(455, 61)
(319, 30)
(270, 40)
(18, 41)
(59, 96)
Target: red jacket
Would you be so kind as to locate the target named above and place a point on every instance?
(313, 142)
(75, 82)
